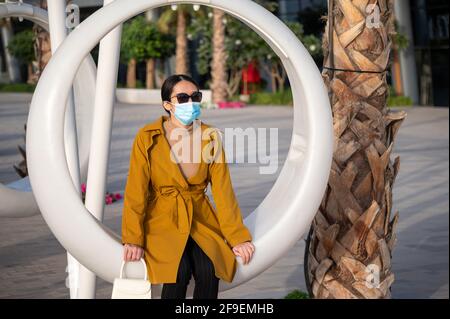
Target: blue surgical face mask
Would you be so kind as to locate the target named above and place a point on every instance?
(186, 113)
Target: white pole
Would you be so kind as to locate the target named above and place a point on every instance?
(108, 64)
(58, 32)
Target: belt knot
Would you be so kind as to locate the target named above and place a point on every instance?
(182, 202)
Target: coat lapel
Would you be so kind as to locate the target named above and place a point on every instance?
(156, 128)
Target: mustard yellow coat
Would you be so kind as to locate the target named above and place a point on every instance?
(162, 207)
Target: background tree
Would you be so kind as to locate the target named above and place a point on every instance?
(242, 46)
(349, 248)
(158, 46)
(22, 47)
(177, 17)
(129, 51)
(142, 41)
(219, 57)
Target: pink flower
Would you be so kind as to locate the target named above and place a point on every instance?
(83, 188)
(109, 200)
(117, 196)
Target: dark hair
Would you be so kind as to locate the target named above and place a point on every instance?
(169, 84)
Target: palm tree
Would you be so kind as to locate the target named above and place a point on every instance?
(181, 51)
(349, 247)
(178, 14)
(142, 41)
(219, 59)
(42, 45)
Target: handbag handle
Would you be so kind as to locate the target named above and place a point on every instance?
(123, 265)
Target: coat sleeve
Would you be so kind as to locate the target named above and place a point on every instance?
(228, 211)
(136, 195)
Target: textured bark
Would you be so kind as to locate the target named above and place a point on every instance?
(234, 82)
(353, 234)
(42, 46)
(150, 74)
(131, 74)
(218, 64)
(181, 58)
(30, 74)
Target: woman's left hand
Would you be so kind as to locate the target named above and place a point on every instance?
(245, 251)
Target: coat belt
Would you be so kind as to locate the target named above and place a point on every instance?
(183, 202)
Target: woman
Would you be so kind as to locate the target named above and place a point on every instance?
(167, 217)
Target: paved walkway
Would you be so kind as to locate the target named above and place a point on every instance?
(33, 263)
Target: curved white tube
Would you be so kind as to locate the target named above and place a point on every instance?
(17, 196)
(279, 221)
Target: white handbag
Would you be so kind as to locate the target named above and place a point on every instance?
(129, 288)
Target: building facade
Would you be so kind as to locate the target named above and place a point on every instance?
(430, 36)
(423, 66)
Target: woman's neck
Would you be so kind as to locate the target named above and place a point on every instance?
(175, 124)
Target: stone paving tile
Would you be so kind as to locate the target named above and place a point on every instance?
(33, 263)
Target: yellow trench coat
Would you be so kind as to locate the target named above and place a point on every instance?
(162, 207)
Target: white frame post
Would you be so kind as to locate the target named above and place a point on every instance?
(107, 69)
(58, 33)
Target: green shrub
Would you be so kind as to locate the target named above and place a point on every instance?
(297, 294)
(278, 98)
(17, 87)
(140, 84)
(399, 101)
(22, 46)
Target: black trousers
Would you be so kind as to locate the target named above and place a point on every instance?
(193, 262)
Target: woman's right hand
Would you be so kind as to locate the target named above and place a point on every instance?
(132, 252)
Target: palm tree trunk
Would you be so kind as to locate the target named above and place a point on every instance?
(280, 75)
(350, 244)
(131, 74)
(30, 73)
(273, 81)
(396, 73)
(234, 81)
(181, 51)
(218, 64)
(150, 76)
(42, 45)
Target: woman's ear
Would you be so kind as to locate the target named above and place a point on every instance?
(167, 106)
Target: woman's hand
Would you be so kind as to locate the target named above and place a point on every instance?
(132, 252)
(245, 251)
